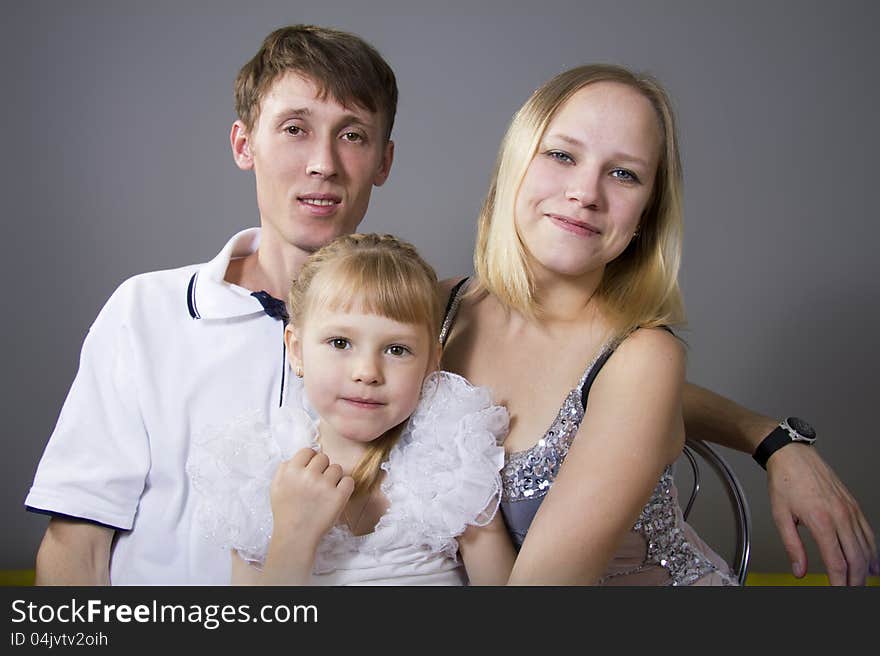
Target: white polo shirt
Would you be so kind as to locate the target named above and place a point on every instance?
(169, 354)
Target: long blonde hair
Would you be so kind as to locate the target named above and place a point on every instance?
(379, 274)
(639, 287)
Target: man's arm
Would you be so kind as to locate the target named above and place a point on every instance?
(74, 553)
(803, 489)
(96, 462)
(714, 418)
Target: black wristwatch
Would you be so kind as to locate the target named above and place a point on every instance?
(793, 429)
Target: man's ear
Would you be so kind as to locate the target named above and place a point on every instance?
(385, 166)
(294, 347)
(242, 152)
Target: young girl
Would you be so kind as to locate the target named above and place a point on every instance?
(382, 468)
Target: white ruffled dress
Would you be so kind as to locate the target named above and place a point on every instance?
(441, 476)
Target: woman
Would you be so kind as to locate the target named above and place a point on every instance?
(577, 259)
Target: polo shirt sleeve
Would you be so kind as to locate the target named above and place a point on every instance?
(97, 459)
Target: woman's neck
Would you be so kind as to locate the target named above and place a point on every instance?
(565, 299)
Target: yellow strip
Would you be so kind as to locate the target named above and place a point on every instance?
(16, 577)
(24, 577)
(759, 578)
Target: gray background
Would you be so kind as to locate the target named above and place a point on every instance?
(116, 161)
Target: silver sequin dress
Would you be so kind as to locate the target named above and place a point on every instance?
(661, 548)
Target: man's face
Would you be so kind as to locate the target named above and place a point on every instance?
(315, 163)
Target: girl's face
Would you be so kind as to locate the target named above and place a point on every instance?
(584, 192)
(363, 373)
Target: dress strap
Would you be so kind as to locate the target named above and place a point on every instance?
(597, 364)
(452, 304)
(593, 371)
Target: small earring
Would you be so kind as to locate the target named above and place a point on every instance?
(636, 234)
(298, 371)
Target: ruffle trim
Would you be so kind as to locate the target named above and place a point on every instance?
(231, 467)
(441, 476)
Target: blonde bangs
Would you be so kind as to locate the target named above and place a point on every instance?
(374, 283)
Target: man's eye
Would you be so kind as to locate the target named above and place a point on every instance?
(354, 137)
(294, 130)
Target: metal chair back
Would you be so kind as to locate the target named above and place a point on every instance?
(735, 494)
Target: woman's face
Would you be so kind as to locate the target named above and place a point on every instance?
(584, 192)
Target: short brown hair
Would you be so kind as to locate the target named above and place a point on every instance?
(342, 65)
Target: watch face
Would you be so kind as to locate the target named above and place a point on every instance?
(802, 427)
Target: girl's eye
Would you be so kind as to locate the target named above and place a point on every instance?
(354, 137)
(560, 156)
(340, 343)
(625, 175)
(294, 130)
(397, 350)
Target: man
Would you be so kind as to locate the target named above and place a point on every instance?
(173, 352)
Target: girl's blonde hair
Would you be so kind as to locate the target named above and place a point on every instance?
(638, 288)
(377, 274)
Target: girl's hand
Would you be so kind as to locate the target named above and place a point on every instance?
(307, 495)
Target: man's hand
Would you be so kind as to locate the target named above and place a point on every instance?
(804, 490)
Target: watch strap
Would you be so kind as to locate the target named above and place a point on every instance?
(777, 439)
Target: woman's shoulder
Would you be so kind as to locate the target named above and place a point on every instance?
(446, 286)
(470, 297)
(648, 349)
(640, 388)
(457, 310)
(648, 362)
